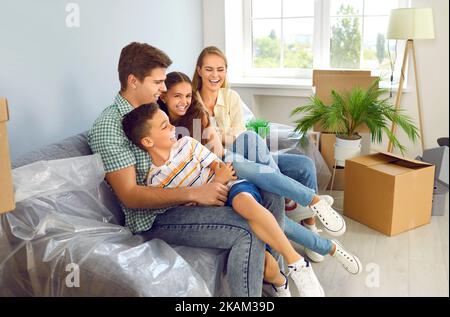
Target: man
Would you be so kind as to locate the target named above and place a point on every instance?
(149, 210)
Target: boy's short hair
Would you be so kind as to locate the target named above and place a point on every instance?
(140, 59)
(135, 124)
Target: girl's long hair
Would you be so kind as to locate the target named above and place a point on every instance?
(196, 115)
(196, 120)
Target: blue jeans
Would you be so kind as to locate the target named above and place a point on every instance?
(310, 240)
(222, 228)
(294, 177)
(243, 187)
(270, 179)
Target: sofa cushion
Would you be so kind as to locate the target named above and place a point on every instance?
(76, 145)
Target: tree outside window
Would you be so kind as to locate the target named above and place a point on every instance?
(345, 44)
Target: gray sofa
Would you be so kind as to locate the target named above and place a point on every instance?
(58, 223)
(39, 242)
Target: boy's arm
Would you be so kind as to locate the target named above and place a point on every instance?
(132, 195)
(223, 172)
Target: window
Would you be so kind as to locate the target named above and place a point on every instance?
(288, 38)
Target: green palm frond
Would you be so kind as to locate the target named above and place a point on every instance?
(347, 112)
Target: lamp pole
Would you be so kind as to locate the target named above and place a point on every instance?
(410, 24)
(409, 46)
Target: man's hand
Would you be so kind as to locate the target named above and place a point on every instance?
(212, 194)
(224, 173)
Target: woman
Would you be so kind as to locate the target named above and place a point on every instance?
(191, 118)
(225, 107)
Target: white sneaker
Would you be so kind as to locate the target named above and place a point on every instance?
(328, 199)
(332, 221)
(304, 278)
(298, 212)
(271, 290)
(349, 261)
(313, 256)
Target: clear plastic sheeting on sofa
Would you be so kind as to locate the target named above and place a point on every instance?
(60, 241)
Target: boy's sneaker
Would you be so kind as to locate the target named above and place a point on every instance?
(349, 261)
(313, 256)
(333, 222)
(304, 278)
(277, 291)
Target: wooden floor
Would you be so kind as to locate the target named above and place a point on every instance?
(414, 263)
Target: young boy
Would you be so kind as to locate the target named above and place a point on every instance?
(187, 163)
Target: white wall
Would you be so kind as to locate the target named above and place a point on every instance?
(275, 102)
(433, 68)
(58, 79)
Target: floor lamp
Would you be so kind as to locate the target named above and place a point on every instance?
(410, 24)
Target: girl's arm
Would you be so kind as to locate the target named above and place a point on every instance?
(214, 143)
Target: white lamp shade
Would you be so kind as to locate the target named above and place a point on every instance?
(411, 23)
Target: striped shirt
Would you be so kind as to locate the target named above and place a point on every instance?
(188, 166)
(107, 138)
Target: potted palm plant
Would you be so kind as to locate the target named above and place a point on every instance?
(260, 126)
(348, 112)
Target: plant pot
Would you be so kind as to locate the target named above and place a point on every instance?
(345, 149)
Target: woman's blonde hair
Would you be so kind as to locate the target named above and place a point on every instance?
(196, 79)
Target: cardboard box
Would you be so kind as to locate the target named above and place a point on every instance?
(326, 148)
(6, 185)
(388, 193)
(341, 81)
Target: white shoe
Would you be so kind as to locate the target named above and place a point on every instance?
(332, 221)
(271, 290)
(304, 278)
(328, 199)
(349, 261)
(313, 256)
(298, 212)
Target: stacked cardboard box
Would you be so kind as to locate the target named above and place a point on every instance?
(6, 185)
(342, 81)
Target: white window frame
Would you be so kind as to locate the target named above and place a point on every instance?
(321, 44)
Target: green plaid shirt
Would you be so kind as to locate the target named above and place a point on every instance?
(107, 138)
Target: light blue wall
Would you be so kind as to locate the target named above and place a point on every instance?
(58, 79)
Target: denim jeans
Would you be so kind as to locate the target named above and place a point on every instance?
(305, 237)
(288, 175)
(300, 183)
(270, 179)
(222, 228)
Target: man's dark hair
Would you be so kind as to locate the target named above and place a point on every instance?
(135, 124)
(140, 59)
